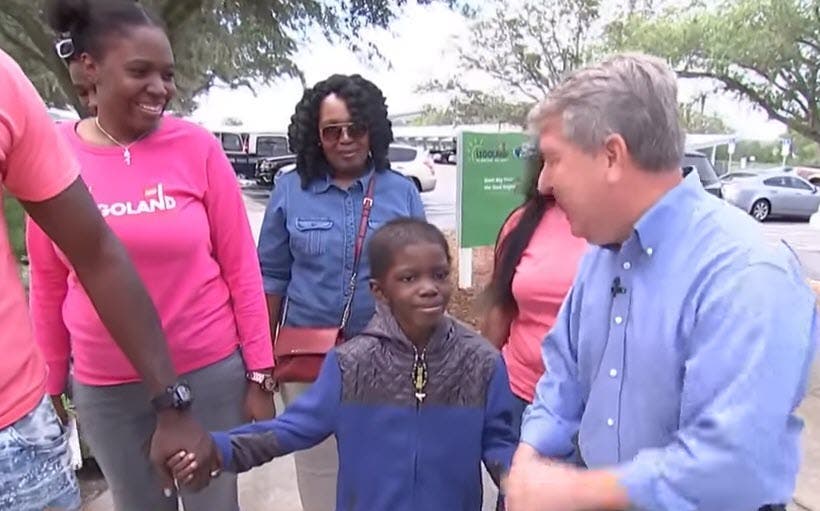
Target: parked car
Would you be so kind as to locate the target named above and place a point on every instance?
(772, 194)
(234, 143)
(268, 168)
(412, 162)
(708, 177)
(810, 174)
(271, 154)
(415, 164)
(245, 148)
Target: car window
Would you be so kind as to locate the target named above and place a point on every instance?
(776, 181)
(400, 154)
(231, 142)
(272, 146)
(799, 184)
(705, 170)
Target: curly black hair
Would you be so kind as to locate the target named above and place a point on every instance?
(367, 105)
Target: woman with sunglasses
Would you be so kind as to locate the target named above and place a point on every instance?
(167, 190)
(340, 134)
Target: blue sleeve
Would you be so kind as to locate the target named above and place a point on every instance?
(755, 335)
(551, 422)
(416, 206)
(275, 258)
(305, 423)
(499, 440)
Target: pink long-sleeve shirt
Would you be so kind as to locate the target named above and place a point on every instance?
(179, 212)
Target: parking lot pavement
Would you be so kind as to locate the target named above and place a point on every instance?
(804, 240)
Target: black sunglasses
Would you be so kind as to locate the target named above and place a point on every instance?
(333, 132)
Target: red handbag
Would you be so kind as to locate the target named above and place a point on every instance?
(299, 351)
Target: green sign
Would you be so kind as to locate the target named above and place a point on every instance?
(490, 169)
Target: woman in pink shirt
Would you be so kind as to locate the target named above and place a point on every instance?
(167, 190)
(536, 260)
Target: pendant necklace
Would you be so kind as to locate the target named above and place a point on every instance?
(126, 148)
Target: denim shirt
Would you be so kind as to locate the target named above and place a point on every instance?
(679, 358)
(307, 244)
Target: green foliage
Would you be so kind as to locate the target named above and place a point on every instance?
(524, 49)
(15, 220)
(476, 107)
(238, 43)
(764, 51)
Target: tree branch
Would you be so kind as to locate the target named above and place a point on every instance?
(30, 52)
(753, 95)
(176, 13)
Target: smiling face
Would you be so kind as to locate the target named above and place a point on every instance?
(345, 143)
(134, 80)
(417, 288)
(586, 185)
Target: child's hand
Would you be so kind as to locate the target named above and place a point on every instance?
(182, 465)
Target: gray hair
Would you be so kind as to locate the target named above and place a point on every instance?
(630, 94)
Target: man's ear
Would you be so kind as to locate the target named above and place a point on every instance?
(376, 290)
(616, 153)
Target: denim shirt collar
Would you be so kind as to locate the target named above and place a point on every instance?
(663, 219)
(323, 184)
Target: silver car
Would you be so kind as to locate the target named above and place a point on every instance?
(771, 194)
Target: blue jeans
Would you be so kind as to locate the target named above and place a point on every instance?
(35, 472)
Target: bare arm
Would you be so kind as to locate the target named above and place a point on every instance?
(496, 325)
(72, 221)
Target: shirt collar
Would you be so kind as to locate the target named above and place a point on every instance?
(323, 184)
(666, 215)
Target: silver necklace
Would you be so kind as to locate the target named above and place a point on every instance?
(126, 148)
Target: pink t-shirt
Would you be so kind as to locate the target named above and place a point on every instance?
(542, 280)
(179, 212)
(35, 165)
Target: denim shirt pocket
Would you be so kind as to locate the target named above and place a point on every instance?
(311, 235)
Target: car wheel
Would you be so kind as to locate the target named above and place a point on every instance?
(761, 209)
(416, 182)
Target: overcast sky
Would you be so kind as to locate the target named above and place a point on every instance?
(420, 45)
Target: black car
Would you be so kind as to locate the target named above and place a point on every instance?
(708, 177)
(267, 167)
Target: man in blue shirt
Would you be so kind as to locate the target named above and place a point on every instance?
(679, 357)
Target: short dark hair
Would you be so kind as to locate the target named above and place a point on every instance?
(367, 105)
(399, 233)
(89, 22)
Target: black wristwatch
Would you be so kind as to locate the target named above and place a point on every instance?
(177, 396)
(264, 380)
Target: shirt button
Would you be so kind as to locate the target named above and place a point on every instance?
(613, 373)
(618, 320)
(649, 251)
(610, 422)
(627, 265)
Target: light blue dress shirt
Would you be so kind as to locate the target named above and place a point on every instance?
(685, 374)
(307, 242)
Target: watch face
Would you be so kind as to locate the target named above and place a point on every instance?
(182, 394)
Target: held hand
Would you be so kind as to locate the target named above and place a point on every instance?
(179, 431)
(259, 404)
(537, 484)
